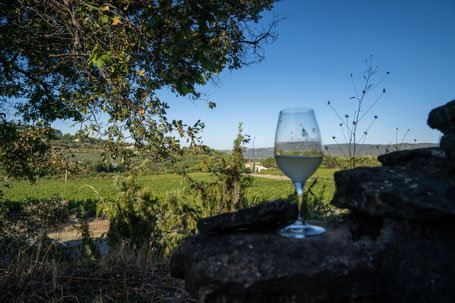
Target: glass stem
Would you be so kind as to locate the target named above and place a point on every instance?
(299, 190)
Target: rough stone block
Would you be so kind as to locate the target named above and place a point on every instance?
(415, 157)
(443, 118)
(265, 216)
(448, 144)
(396, 192)
(266, 267)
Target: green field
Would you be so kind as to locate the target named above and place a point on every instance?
(321, 174)
(82, 191)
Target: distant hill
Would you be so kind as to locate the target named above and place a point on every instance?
(340, 149)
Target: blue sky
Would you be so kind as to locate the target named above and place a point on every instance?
(320, 44)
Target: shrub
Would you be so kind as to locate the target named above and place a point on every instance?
(269, 162)
(178, 217)
(227, 193)
(331, 161)
(132, 215)
(315, 206)
(23, 233)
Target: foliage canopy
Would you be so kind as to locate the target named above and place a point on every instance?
(84, 60)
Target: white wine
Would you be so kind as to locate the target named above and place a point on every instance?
(298, 168)
(298, 153)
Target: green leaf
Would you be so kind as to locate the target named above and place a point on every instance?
(104, 19)
(185, 89)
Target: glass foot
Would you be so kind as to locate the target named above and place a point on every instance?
(300, 230)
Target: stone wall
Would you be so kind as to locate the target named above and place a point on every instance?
(396, 245)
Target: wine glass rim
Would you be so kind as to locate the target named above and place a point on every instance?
(296, 110)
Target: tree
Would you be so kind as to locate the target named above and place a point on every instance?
(26, 152)
(227, 193)
(80, 60)
(269, 162)
(233, 176)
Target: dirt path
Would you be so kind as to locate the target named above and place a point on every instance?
(69, 232)
(277, 177)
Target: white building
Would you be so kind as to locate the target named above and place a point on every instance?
(257, 166)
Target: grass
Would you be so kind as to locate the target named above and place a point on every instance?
(82, 191)
(321, 173)
(271, 171)
(123, 274)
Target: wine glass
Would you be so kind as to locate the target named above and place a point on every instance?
(298, 153)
